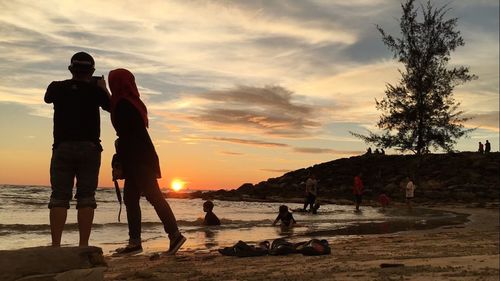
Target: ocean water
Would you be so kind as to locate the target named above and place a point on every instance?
(24, 221)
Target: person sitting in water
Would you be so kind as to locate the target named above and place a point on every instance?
(384, 200)
(285, 216)
(210, 217)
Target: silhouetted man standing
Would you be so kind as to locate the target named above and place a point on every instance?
(311, 192)
(76, 152)
(487, 147)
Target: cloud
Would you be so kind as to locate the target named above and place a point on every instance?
(325, 150)
(326, 56)
(271, 110)
(231, 153)
(275, 170)
(239, 141)
(485, 120)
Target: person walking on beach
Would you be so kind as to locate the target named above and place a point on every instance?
(487, 147)
(357, 190)
(139, 161)
(311, 192)
(410, 192)
(76, 152)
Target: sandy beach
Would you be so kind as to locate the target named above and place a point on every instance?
(460, 252)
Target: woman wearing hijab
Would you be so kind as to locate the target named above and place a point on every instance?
(139, 161)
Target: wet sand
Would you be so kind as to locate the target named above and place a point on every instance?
(467, 251)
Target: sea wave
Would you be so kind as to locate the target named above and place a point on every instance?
(10, 229)
(7, 229)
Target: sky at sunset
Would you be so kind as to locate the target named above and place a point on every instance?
(237, 91)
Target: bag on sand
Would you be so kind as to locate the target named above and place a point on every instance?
(242, 249)
(279, 247)
(282, 247)
(314, 247)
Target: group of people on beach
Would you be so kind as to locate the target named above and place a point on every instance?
(76, 152)
(311, 195)
(407, 185)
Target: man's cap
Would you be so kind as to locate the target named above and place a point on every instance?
(82, 60)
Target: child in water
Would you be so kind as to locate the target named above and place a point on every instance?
(285, 216)
(384, 200)
(210, 217)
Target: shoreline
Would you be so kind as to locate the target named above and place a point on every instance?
(468, 251)
(368, 201)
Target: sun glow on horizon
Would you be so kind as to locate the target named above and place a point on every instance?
(177, 185)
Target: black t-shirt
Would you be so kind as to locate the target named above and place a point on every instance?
(136, 150)
(76, 110)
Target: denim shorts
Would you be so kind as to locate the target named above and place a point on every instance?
(72, 160)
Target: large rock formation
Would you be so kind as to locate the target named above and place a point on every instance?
(449, 177)
(51, 264)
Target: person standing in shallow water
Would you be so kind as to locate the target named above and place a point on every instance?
(409, 193)
(139, 160)
(357, 190)
(311, 192)
(76, 152)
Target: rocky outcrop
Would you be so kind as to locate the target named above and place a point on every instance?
(51, 264)
(460, 177)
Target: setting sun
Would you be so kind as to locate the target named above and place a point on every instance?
(177, 185)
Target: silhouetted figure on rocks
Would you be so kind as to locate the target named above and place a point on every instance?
(481, 148)
(487, 147)
(369, 151)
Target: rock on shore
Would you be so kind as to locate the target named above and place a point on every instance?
(51, 264)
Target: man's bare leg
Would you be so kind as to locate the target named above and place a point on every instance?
(85, 219)
(57, 221)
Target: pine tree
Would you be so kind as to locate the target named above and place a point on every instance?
(420, 112)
